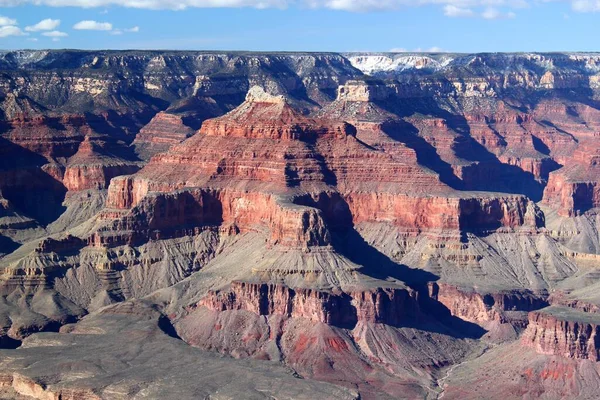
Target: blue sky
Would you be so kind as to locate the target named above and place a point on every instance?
(295, 25)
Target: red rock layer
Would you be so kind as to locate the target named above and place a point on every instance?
(264, 146)
(480, 308)
(389, 306)
(289, 224)
(478, 213)
(301, 221)
(49, 136)
(163, 131)
(267, 117)
(564, 332)
(92, 167)
(575, 188)
(265, 141)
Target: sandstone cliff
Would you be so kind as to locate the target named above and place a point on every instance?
(563, 332)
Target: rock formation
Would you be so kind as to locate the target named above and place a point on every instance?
(563, 332)
(383, 225)
(163, 131)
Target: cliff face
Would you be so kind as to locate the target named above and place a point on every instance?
(342, 336)
(289, 225)
(163, 131)
(483, 308)
(563, 332)
(574, 189)
(388, 306)
(94, 165)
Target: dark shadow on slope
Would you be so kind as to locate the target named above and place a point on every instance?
(329, 176)
(122, 126)
(7, 245)
(486, 173)
(42, 200)
(113, 148)
(432, 315)
(9, 343)
(553, 126)
(350, 244)
(427, 155)
(164, 324)
(456, 327)
(197, 109)
(292, 179)
(55, 124)
(30, 189)
(539, 145)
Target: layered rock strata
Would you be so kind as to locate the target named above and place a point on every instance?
(162, 132)
(389, 306)
(564, 332)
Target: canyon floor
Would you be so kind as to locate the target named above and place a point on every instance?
(299, 225)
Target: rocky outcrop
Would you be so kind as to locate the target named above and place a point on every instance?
(302, 222)
(68, 243)
(481, 308)
(478, 214)
(163, 131)
(290, 225)
(388, 306)
(84, 177)
(264, 116)
(564, 332)
(28, 387)
(125, 192)
(363, 91)
(93, 166)
(570, 195)
(295, 226)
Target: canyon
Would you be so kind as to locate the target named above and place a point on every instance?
(299, 225)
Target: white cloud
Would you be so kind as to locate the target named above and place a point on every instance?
(586, 5)
(118, 31)
(348, 5)
(56, 39)
(4, 21)
(494, 13)
(32, 39)
(55, 34)
(10, 30)
(93, 26)
(47, 24)
(451, 10)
